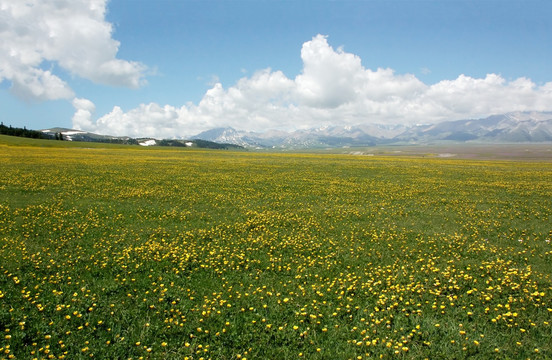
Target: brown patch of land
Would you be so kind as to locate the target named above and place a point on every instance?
(519, 152)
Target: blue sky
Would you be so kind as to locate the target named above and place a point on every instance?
(169, 68)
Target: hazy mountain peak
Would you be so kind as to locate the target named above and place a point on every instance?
(521, 126)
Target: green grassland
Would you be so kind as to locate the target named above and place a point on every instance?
(118, 252)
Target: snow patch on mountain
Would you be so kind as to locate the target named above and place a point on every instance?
(510, 127)
(149, 142)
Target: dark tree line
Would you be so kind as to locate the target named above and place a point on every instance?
(22, 132)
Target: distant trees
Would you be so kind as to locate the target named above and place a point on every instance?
(88, 137)
(203, 144)
(22, 132)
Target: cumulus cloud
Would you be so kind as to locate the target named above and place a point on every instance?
(82, 119)
(70, 33)
(334, 88)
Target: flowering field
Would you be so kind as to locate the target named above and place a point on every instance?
(172, 254)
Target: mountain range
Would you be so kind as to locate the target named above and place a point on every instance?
(514, 127)
(85, 136)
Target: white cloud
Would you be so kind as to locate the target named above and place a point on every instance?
(333, 88)
(70, 33)
(39, 84)
(329, 78)
(82, 119)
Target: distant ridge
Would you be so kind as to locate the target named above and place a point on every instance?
(510, 127)
(514, 127)
(79, 135)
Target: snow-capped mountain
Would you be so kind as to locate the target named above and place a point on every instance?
(85, 136)
(231, 136)
(515, 127)
(327, 136)
(511, 127)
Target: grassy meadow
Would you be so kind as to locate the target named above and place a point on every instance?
(117, 252)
